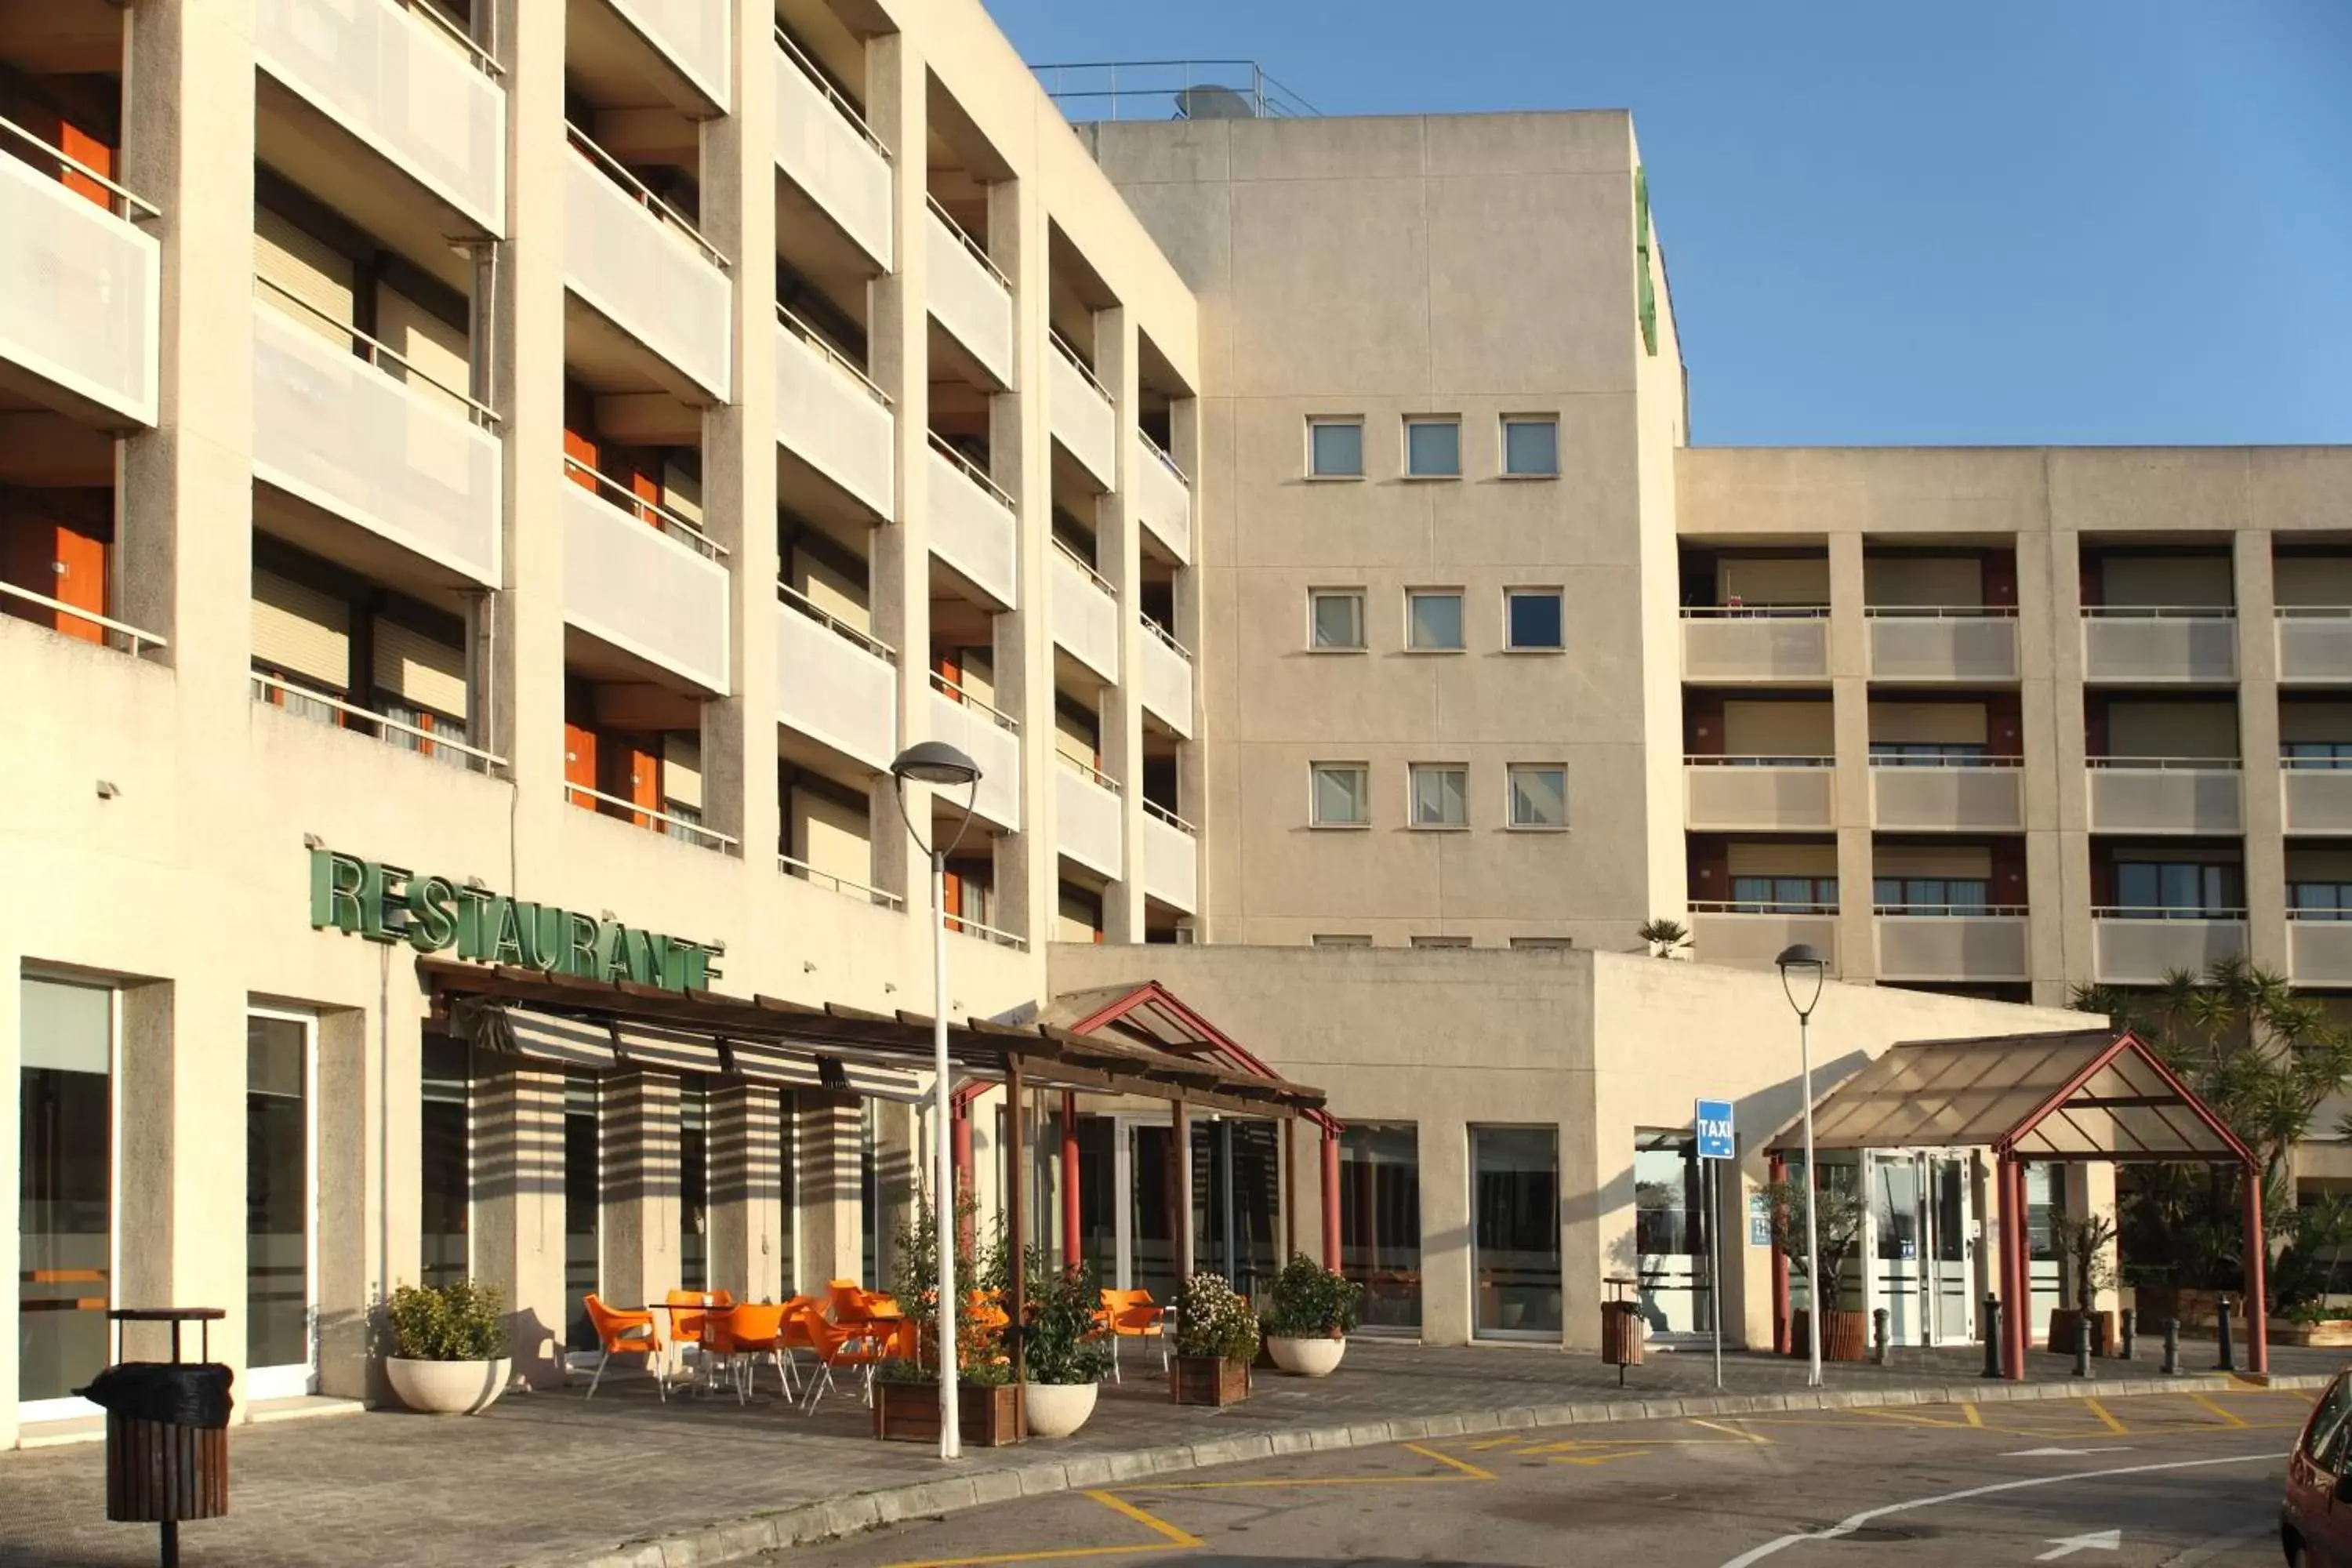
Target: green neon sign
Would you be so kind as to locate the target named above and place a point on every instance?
(390, 904)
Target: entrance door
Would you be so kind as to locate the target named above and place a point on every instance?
(1951, 1233)
(1897, 1271)
(1236, 1186)
(65, 1194)
(280, 1187)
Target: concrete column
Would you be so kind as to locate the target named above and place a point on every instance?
(199, 1201)
(2077, 939)
(1119, 554)
(1857, 941)
(2258, 746)
(1028, 863)
(900, 1153)
(1186, 429)
(2039, 585)
(747, 1193)
(349, 1200)
(1447, 1227)
(829, 1222)
(641, 1197)
(519, 1218)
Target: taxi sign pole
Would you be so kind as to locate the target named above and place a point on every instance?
(1711, 1119)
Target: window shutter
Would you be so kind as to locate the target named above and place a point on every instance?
(682, 770)
(300, 629)
(420, 671)
(309, 269)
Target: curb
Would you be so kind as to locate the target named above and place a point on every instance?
(738, 1540)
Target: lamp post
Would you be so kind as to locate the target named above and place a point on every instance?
(1796, 965)
(936, 764)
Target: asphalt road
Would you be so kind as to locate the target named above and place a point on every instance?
(2182, 1480)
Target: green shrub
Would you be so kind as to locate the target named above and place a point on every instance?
(1211, 1320)
(1312, 1303)
(457, 1321)
(1061, 1345)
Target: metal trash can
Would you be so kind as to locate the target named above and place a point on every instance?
(166, 1430)
(1621, 1328)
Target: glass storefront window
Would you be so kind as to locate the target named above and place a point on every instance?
(582, 1206)
(869, 1196)
(1379, 1220)
(1097, 1179)
(64, 1187)
(276, 1191)
(1514, 1209)
(788, 1137)
(1151, 1200)
(693, 1183)
(1236, 1171)
(1669, 1233)
(444, 1162)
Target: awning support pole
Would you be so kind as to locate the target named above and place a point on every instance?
(1180, 1162)
(2258, 1341)
(1073, 1252)
(1331, 1200)
(1016, 1211)
(2017, 1279)
(1290, 1158)
(1776, 1172)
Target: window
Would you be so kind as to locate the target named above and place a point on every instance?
(582, 1205)
(1335, 449)
(2317, 753)
(1515, 1232)
(2176, 889)
(1784, 894)
(693, 1182)
(1320, 940)
(1342, 794)
(64, 1189)
(1543, 941)
(1432, 620)
(1441, 941)
(1670, 1233)
(1530, 445)
(1441, 795)
(2319, 900)
(1379, 1220)
(1432, 449)
(1336, 619)
(1928, 895)
(2327, 1421)
(278, 1201)
(1532, 618)
(1925, 754)
(444, 1162)
(1538, 795)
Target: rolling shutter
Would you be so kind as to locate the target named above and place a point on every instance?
(419, 670)
(300, 630)
(682, 770)
(309, 268)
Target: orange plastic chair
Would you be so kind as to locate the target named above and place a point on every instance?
(744, 1335)
(625, 1334)
(836, 1345)
(1132, 1315)
(685, 1327)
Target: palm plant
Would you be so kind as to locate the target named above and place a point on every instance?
(1663, 938)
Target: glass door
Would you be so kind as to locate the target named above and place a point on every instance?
(64, 1189)
(583, 1208)
(1150, 1251)
(1514, 1253)
(281, 1183)
(2045, 1203)
(1670, 1234)
(1896, 1226)
(1379, 1220)
(1951, 1231)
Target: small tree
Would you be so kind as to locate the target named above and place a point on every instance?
(2082, 1243)
(1841, 1218)
(915, 1282)
(1665, 938)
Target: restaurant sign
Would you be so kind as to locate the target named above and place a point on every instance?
(389, 904)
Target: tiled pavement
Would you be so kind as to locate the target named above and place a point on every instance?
(549, 1479)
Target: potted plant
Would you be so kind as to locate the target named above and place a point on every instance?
(1216, 1338)
(907, 1393)
(2081, 1245)
(448, 1347)
(1313, 1307)
(1062, 1357)
(1845, 1334)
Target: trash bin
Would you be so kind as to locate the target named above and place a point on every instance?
(1620, 1328)
(166, 1430)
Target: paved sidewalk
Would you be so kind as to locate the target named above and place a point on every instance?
(549, 1479)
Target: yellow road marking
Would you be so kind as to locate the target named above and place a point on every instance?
(1589, 1459)
(2229, 1417)
(2101, 1411)
(1756, 1438)
(1497, 1442)
(1457, 1471)
(1177, 1540)
(1905, 1418)
(1121, 1505)
(1465, 1465)
(1968, 1409)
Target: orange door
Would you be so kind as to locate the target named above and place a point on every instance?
(580, 451)
(647, 487)
(951, 902)
(48, 558)
(645, 780)
(84, 148)
(580, 761)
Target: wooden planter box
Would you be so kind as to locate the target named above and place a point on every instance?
(2062, 1332)
(2333, 1331)
(1208, 1379)
(1845, 1336)
(988, 1416)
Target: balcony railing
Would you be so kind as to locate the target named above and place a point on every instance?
(1163, 499)
(405, 80)
(1762, 643)
(2315, 643)
(1171, 859)
(963, 926)
(835, 683)
(1167, 678)
(1080, 408)
(973, 526)
(304, 702)
(2140, 946)
(2319, 947)
(2165, 794)
(646, 816)
(639, 262)
(845, 886)
(1760, 793)
(1751, 935)
(127, 638)
(1929, 643)
(1945, 795)
(968, 296)
(990, 739)
(1951, 942)
(362, 433)
(2316, 794)
(830, 415)
(2159, 643)
(1086, 613)
(827, 149)
(1088, 806)
(651, 513)
(81, 283)
(644, 580)
(692, 35)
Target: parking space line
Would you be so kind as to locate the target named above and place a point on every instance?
(1150, 1522)
(1968, 1409)
(1465, 1465)
(1906, 1418)
(1756, 1438)
(2229, 1417)
(2101, 1411)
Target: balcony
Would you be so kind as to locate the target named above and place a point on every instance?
(1950, 945)
(376, 442)
(303, 703)
(2319, 951)
(691, 35)
(80, 285)
(2160, 643)
(2314, 644)
(1080, 407)
(970, 296)
(988, 738)
(629, 811)
(1749, 936)
(2165, 794)
(1927, 646)
(826, 148)
(973, 527)
(1163, 499)
(1765, 645)
(2140, 947)
(404, 82)
(642, 578)
(1086, 613)
(1760, 794)
(1086, 818)
(1988, 796)
(848, 887)
(2318, 796)
(642, 267)
(1167, 678)
(833, 418)
(1171, 859)
(837, 684)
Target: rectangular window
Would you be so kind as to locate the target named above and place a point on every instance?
(1379, 1220)
(1432, 620)
(1336, 618)
(1784, 894)
(1543, 941)
(582, 1209)
(1925, 754)
(1432, 449)
(2177, 889)
(1670, 1233)
(1441, 795)
(1532, 618)
(1342, 794)
(1340, 940)
(1929, 895)
(1441, 941)
(445, 1160)
(277, 1198)
(1335, 449)
(1530, 445)
(1538, 795)
(65, 1190)
(694, 1184)
(1515, 1220)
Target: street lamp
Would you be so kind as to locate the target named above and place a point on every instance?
(1802, 969)
(940, 765)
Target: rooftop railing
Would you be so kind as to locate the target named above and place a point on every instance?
(1170, 90)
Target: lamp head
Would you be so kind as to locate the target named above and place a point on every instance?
(1802, 969)
(935, 763)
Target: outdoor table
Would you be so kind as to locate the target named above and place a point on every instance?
(670, 1343)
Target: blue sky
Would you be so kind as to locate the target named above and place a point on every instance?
(1978, 221)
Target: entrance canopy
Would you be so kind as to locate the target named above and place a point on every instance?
(1148, 1015)
(2086, 1094)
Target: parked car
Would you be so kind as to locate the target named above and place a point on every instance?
(2316, 1519)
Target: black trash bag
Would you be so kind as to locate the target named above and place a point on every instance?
(177, 1394)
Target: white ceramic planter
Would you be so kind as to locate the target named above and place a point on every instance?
(1056, 1409)
(447, 1387)
(1307, 1358)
